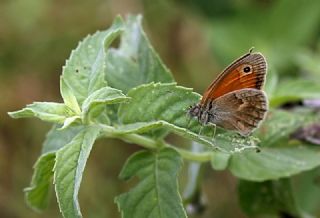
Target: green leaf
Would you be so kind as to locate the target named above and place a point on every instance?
(84, 70)
(102, 97)
(270, 197)
(135, 62)
(274, 163)
(295, 90)
(38, 194)
(156, 195)
(155, 105)
(46, 111)
(159, 102)
(68, 170)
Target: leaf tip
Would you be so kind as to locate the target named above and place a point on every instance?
(21, 113)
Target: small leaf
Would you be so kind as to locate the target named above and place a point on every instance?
(38, 194)
(84, 70)
(46, 111)
(135, 62)
(156, 195)
(68, 170)
(102, 97)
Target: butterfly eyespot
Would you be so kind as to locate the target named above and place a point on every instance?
(246, 69)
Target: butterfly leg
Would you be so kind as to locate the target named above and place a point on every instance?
(201, 128)
(214, 126)
(188, 122)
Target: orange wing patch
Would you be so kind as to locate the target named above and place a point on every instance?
(247, 72)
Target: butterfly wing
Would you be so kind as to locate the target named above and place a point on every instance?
(248, 71)
(240, 110)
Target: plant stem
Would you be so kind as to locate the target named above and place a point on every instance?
(149, 143)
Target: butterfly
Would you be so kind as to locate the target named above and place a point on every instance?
(235, 100)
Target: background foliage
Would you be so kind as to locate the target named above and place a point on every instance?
(196, 40)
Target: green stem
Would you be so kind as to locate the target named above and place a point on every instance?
(149, 143)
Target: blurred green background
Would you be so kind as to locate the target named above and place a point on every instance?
(195, 39)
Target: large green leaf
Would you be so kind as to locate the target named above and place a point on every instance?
(135, 62)
(156, 195)
(84, 70)
(46, 111)
(68, 170)
(160, 102)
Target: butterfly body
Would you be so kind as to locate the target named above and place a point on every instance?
(235, 101)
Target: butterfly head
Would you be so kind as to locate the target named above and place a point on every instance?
(199, 112)
(194, 110)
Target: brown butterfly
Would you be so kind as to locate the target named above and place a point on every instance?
(234, 100)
